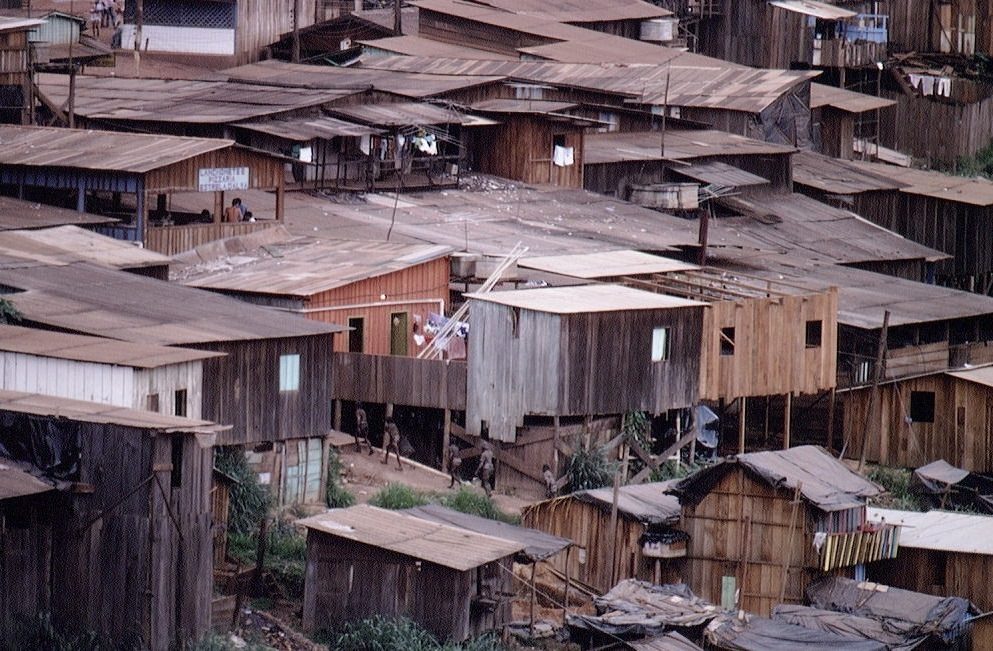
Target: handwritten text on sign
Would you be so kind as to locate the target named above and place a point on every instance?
(213, 179)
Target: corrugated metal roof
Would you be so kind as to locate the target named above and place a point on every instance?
(15, 482)
(722, 174)
(845, 100)
(644, 502)
(837, 176)
(65, 244)
(581, 299)
(618, 147)
(814, 8)
(581, 11)
(84, 348)
(10, 24)
(83, 297)
(441, 544)
(522, 106)
(98, 150)
(538, 544)
(604, 264)
(960, 189)
(16, 214)
(940, 530)
(304, 129)
(92, 412)
(982, 375)
(180, 100)
(410, 45)
(407, 114)
(309, 269)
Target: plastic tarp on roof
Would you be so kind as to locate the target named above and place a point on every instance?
(538, 544)
(634, 609)
(916, 613)
(761, 634)
(894, 635)
(670, 641)
(948, 486)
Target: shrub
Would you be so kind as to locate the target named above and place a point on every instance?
(589, 468)
(387, 634)
(337, 496)
(673, 470)
(398, 497)
(250, 500)
(896, 482)
(473, 503)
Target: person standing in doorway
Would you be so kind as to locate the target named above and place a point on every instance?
(361, 429)
(391, 441)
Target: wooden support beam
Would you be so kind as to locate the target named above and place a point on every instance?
(787, 417)
(653, 463)
(337, 415)
(741, 423)
(830, 420)
(446, 438)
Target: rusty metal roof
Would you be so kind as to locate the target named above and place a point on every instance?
(581, 11)
(65, 244)
(845, 100)
(84, 297)
(11, 24)
(83, 348)
(813, 8)
(837, 176)
(17, 214)
(581, 299)
(604, 264)
(307, 269)
(98, 150)
(308, 128)
(93, 412)
(411, 45)
(974, 191)
(441, 544)
(180, 100)
(521, 106)
(720, 173)
(408, 113)
(15, 482)
(617, 147)
(943, 531)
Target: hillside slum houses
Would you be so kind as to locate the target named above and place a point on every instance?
(520, 231)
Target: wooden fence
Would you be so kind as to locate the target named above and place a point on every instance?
(437, 384)
(170, 240)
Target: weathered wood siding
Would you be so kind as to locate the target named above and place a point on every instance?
(577, 364)
(261, 22)
(601, 557)
(25, 552)
(521, 149)
(962, 431)
(400, 380)
(15, 70)
(348, 580)
(459, 31)
(170, 240)
(771, 355)
(104, 383)
(941, 27)
(243, 390)
(265, 172)
(935, 141)
(741, 529)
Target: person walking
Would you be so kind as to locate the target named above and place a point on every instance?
(391, 442)
(454, 464)
(361, 429)
(485, 469)
(96, 13)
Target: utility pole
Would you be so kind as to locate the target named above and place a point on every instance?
(139, 21)
(877, 374)
(398, 17)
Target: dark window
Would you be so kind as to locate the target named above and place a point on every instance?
(922, 406)
(558, 140)
(181, 402)
(176, 478)
(727, 341)
(356, 337)
(515, 321)
(152, 402)
(815, 331)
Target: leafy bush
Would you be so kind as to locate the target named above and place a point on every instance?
(589, 468)
(896, 482)
(337, 496)
(40, 632)
(397, 497)
(672, 470)
(387, 634)
(216, 642)
(8, 312)
(250, 500)
(286, 558)
(468, 501)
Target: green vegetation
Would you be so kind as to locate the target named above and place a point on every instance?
(8, 312)
(285, 559)
(250, 500)
(337, 496)
(387, 634)
(215, 642)
(468, 501)
(39, 632)
(589, 468)
(673, 470)
(979, 164)
(397, 497)
(896, 482)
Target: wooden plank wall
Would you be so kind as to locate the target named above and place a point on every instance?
(744, 519)
(521, 149)
(348, 580)
(937, 141)
(753, 33)
(261, 22)
(770, 352)
(243, 390)
(962, 431)
(25, 552)
(407, 381)
(598, 548)
(265, 172)
(170, 240)
(165, 381)
(460, 31)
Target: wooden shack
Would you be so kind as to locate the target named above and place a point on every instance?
(944, 415)
(762, 525)
(942, 554)
(16, 95)
(384, 292)
(841, 117)
(589, 350)
(124, 548)
(960, 27)
(365, 561)
(605, 556)
(269, 385)
(131, 175)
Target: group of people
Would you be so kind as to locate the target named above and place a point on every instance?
(237, 212)
(484, 471)
(106, 13)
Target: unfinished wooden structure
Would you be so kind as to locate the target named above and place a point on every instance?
(753, 518)
(944, 415)
(365, 561)
(942, 554)
(122, 174)
(607, 550)
(384, 292)
(842, 117)
(125, 549)
(16, 95)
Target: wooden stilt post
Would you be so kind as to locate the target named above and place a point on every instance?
(787, 420)
(768, 402)
(565, 601)
(534, 592)
(872, 426)
(830, 421)
(337, 415)
(741, 424)
(446, 438)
